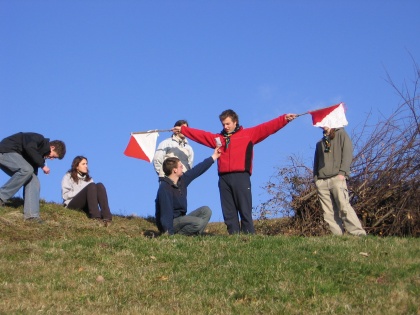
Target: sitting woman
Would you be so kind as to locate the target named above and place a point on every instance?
(81, 193)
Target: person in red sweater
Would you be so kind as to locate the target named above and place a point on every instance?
(235, 164)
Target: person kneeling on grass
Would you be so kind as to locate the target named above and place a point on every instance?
(171, 199)
(79, 192)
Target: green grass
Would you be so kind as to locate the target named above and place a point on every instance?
(54, 268)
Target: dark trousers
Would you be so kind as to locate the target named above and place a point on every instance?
(236, 200)
(94, 201)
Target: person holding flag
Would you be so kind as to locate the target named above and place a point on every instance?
(175, 146)
(333, 156)
(235, 164)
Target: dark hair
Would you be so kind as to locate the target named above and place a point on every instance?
(73, 169)
(181, 122)
(169, 164)
(60, 148)
(229, 113)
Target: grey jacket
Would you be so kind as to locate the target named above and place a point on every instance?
(69, 188)
(173, 147)
(335, 162)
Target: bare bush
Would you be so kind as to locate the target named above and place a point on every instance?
(384, 183)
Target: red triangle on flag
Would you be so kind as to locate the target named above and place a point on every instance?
(134, 150)
(320, 114)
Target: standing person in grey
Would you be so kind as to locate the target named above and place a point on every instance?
(175, 146)
(21, 155)
(333, 156)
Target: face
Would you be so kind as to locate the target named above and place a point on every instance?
(179, 169)
(326, 129)
(52, 155)
(83, 166)
(180, 134)
(229, 125)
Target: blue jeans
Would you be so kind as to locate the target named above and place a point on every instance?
(21, 174)
(193, 223)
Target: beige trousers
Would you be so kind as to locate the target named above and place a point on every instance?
(334, 198)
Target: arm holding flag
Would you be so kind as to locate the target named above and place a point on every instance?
(203, 137)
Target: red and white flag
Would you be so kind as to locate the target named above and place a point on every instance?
(332, 117)
(142, 146)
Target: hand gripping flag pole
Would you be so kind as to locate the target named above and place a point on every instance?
(142, 144)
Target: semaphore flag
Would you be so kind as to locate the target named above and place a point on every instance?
(332, 117)
(142, 146)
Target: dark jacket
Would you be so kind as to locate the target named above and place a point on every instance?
(237, 157)
(32, 146)
(171, 199)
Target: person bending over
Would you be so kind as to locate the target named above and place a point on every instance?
(21, 155)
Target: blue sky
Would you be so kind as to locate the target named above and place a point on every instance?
(91, 72)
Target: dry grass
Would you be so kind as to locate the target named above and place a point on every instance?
(72, 265)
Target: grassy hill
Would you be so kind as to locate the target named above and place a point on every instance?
(71, 264)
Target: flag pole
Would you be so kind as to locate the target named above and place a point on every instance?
(308, 112)
(150, 131)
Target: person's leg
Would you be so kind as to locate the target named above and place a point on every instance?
(81, 201)
(325, 198)
(241, 188)
(19, 170)
(193, 223)
(103, 202)
(230, 213)
(31, 192)
(347, 213)
(92, 201)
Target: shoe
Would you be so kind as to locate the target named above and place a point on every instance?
(107, 223)
(35, 220)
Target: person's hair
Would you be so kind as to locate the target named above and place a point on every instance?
(229, 113)
(181, 122)
(73, 169)
(60, 148)
(169, 164)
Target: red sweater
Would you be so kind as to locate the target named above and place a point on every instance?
(239, 154)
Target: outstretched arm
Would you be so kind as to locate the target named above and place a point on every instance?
(197, 135)
(262, 131)
(200, 168)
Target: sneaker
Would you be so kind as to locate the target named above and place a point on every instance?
(35, 220)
